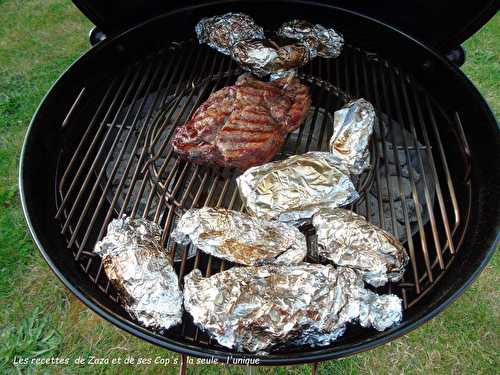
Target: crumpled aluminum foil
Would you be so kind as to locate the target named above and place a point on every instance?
(257, 308)
(347, 239)
(239, 238)
(141, 272)
(238, 35)
(379, 311)
(353, 127)
(294, 189)
(321, 41)
(285, 73)
(261, 57)
(224, 31)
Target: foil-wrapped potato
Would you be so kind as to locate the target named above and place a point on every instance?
(239, 238)
(321, 41)
(262, 57)
(224, 31)
(347, 239)
(294, 189)
(238, 35)
(141, 271)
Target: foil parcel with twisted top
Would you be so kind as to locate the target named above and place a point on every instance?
(141, 272)
(353, 127)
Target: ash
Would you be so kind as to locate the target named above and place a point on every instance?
(395, 182)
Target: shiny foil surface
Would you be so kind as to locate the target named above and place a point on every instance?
(379, 311)
(262, 57)
(224, 31)
(239, 238)
(294, 189)
(321, 41)
(347, 239)
(353, 127)
(141, 271)
(256, 309)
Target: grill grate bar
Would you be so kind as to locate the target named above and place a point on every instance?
(313, 122)
(356, 73)
(448, 177)
(347, 65)
(322, 139)
(118, 160)
(178, 86)
(73, 106)
(174, 74)
(306, 122)
(411, 246)
(177, 121)
(92, 145)
(172, 110)
(62, 183)
(377, 156)
(165, 144)
(414, 205)
(439, 193)
(136, 173)
(133, 153)
(180, 179)
(165, 123)
(418, 214)
(99, 152)
(427, 194)
(106, 161)
(466, 149)
(381, 138)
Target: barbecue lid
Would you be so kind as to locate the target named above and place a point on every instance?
(443, 24)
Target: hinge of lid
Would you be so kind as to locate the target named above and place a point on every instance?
(96, 36)
(456, 56)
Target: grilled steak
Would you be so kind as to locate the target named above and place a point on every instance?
(245, 124)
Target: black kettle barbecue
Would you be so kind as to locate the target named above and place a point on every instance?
(99, 146)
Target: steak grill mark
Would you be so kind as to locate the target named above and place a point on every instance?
(243, 125)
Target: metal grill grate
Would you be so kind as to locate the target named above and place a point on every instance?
(123, 163)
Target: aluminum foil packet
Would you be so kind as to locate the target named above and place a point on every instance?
(320, 41)
(256, 309)
(347, 239)
(293, 189)
(262, 57)
(379, 311)
(239, 238)
(141, 271)
(224, 31)
(353, 127)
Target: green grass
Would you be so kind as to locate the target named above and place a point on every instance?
(39, 318)
(33, 337)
